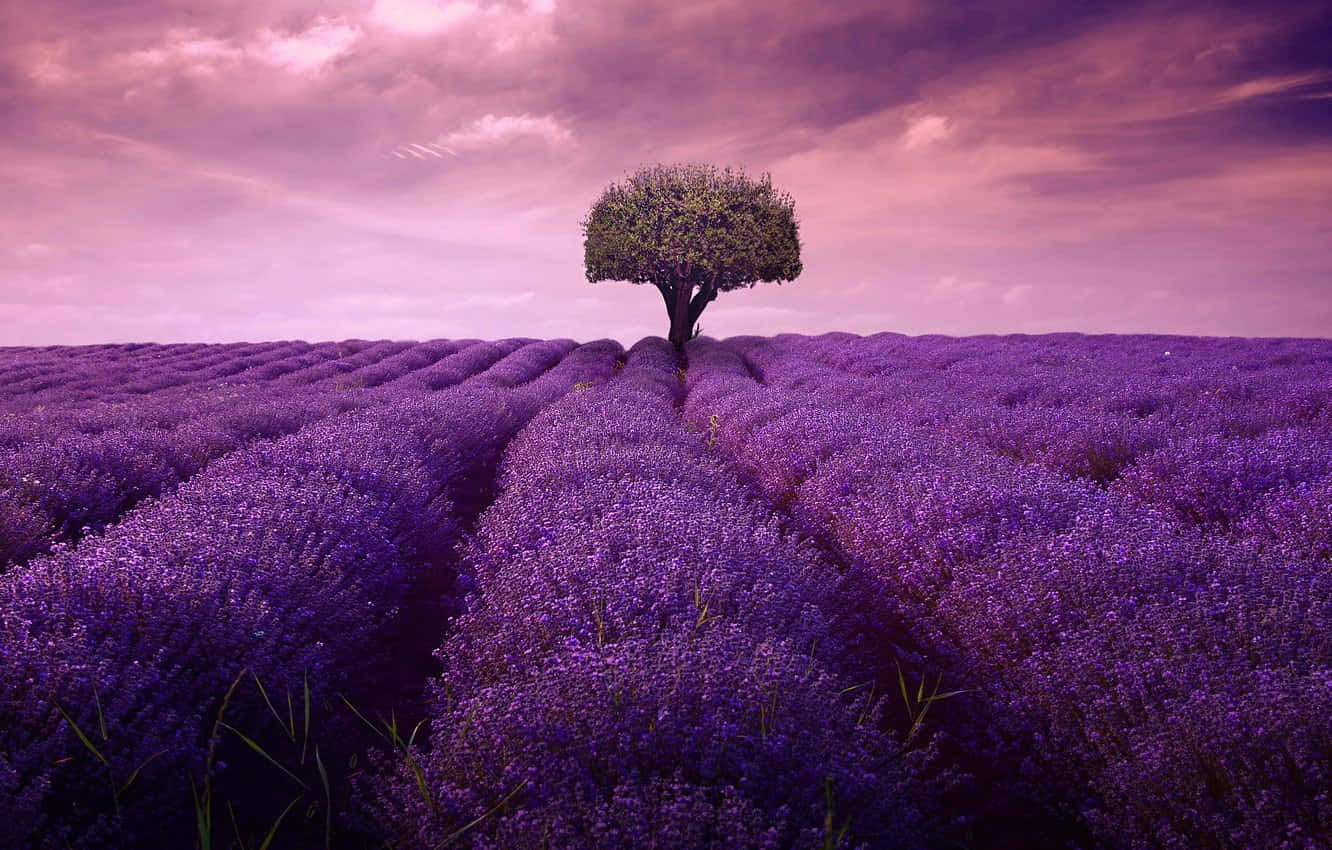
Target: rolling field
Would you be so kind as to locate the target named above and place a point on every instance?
(833, 591)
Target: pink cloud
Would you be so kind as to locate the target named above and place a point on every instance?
(219, 170)
(309, 50)
(490, 130)
(423, 17)
(926, 130)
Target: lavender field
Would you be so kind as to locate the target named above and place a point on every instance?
(801, 591)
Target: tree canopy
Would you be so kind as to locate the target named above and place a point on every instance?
(692, 232)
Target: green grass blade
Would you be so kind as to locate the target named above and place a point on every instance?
(420, 781)
(235, 827)
(392, 727)
(203, 816)
(947, 694)
(455, 836)
(101, 720)
(901, 684)
(135, 775)
(415, 729)
(291, 717)
(82, 737)
(261, 751)
(305, 738)
(373, 727)
(272, 830)
(328, 800)
(264, 693)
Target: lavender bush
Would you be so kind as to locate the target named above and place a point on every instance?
(800, 591)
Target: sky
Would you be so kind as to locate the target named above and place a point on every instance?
(209, 171)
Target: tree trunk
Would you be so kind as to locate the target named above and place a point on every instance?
(680, 324)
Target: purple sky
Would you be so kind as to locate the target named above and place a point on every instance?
(198, 170)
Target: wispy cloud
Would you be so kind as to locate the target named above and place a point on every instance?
(425, 17)
(1016, 294)
(951, 286)
(490, 130)
(308, 51)
(33, 251)
(756, 311)
(430, 150)
(926, 130)
(302, 52)
(491, 301)
(1264, 86)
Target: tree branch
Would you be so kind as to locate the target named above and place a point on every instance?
(705, 295)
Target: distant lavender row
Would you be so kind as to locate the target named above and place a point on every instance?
(289, 559)
(62, 478)
(1201, 443)
(106, 377)
(1165, 618)
(1203, 411)
(93, 399)
(1194, 386)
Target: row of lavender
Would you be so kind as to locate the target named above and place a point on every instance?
(68, 467)
(1118, 546)
(1122, 544)
(648, 659)
(302, 561)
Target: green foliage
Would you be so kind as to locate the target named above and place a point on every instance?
(920, 706)
(692, 223)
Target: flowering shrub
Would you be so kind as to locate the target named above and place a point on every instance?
(643, 636)
(837, 591)
(1120, 565)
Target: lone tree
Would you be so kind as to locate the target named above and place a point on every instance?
(691, 232)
